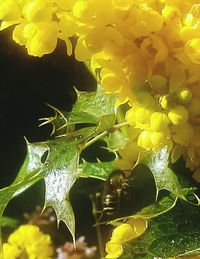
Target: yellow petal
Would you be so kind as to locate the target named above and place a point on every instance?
(43, 42)
(18, 35)
(138, 224)
(123, 233)
(82, 53)
(9, 10)
(114, 250)
(193, 50)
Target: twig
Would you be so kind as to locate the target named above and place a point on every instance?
(104, 133)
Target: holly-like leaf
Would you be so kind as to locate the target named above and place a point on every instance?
(60, 172)
(161, 206)
(165, 178)
(29, 174)
(56, 161)
(99, 170)
(116, 140)
(176, 233)
(92, 106)
(141, 190)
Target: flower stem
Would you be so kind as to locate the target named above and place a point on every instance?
(106, 132)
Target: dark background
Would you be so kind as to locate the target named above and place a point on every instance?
(26, 84)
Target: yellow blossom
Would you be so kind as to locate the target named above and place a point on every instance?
(114, 250)
(28, 240)
(43, 41)
(176, 153)
(178, 115)
(122, 4)
(158, 83)
(9, 10)
(159, 121)
(184, 95)
(147, 52)
(133, 228)
(10, 251)
(192, 49)
(65, 4)
(37, 11)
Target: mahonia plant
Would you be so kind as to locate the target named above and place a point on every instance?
(145, 55)
(147, 52)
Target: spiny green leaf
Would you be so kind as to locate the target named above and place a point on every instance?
(99, 170)
(95, 108)
(106, 122)
(33, 161)
(164, 177)
(90, 107)
(116, 141)
(94, 105)
(29, 174)
(59, 169)
(161, 206)
(175, 233)
(80, 135)
(60, 172)
(142, 194)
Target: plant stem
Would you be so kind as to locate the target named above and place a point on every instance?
(121, 118)
(106, 132)
(98, 228)
(120, 125)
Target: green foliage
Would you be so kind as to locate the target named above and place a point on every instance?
(165, 178)
(153, 193)
(60, 171)
(29, 174)
(9, 222)
(116, 140)
(56, 161)
(93, 108)
(161, 206)
(99, 170)
(175, 233)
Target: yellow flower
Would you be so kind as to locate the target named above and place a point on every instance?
(81, 9)
(37, 11)
(42, 41)
(114, 250)
(158, 83)
(192, 49)
(9, 10)
(65, 4)
(184, 95)
(28, 241)
(139, 117)
(182, 134)
(133, 228)
(149, 20)
(178, 115)
(10, 251)
(159, 121)
(147, 52)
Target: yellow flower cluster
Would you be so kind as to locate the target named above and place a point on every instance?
(28, 242)
(133, 228)
(147, 51)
